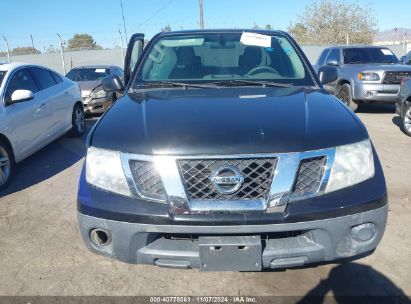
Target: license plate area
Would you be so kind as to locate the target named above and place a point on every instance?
(230, 253)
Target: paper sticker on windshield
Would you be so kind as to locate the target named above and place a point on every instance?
(386, 52)
(100, 70)
(256, 39)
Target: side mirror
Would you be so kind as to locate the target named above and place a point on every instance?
(332, 62)
(21, 95)
(112, 83)
(327, 74)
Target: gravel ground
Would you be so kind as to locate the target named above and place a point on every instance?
(42, 253)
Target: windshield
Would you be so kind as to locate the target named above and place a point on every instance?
(369, 55)
(223, 57)
(88, 74)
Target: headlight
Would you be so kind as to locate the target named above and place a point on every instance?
(99, 94)
(104, 170)
(368, 76)
(353, 164)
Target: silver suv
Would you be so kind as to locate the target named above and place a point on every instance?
(365, 74)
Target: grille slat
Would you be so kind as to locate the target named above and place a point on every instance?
(148, 180)
(395, 77)
(309, 176)
(258, 174)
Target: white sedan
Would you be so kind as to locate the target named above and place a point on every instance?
(37, 105)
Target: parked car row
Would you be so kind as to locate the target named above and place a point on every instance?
(51, 104)
(95, 99)
(37, 106)
(369, 74)
(366, 74)
(230, 141)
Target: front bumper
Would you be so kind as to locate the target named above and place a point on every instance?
(283, 245)
(96, 106)
(375, 92)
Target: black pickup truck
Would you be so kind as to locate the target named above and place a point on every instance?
(226, 153)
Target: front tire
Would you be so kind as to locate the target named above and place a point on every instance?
(78, 121)
(345, 95)
(6, 165)
(406, 120)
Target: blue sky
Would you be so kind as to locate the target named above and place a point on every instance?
(102, 18)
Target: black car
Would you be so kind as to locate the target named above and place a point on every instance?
(226, 153)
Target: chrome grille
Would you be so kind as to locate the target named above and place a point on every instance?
(395, 77)
(148, 180)
(309, 176)
(258, 174)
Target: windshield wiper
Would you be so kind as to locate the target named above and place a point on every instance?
(176, 84)
(215, 84)
(253, 83)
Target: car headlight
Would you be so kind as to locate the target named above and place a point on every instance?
(368, 76)
(353, 164)
(99, 94)
(104, 170)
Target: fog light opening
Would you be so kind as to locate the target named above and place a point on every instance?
(100, 237)
(364, 232)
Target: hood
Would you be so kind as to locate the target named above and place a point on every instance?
(382, 67)
(87, 86)
(227, 121)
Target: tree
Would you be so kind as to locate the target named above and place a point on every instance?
(268, 27)
(299, 32)
(329, 22)
(24, 50)
(83, 41)
(167, 28)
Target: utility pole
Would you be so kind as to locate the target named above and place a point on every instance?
(32, 41)
(8, 49)
(62, 54)
(122, 47)
(201, 15)
(395, 34)
(404, 42)
(124, 20)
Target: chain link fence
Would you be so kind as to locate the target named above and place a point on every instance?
(71, 59)
(115, 57)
